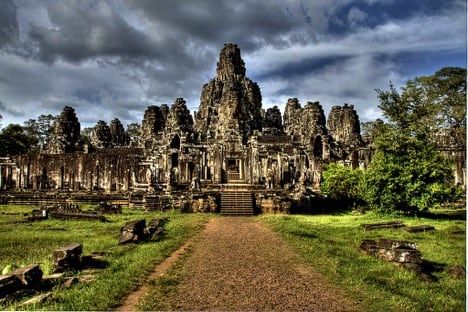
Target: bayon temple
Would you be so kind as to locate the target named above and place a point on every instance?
(231, 150)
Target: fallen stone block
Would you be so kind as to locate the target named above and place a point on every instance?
(67, 257)
(30, 276)
(76, 216)
(132, 232)
(420, 228)
(394, 244)
(53, 277)
(156, 226)
(400, 255)
(395, 251)
(369, 246)
(383, 225)
(9, 284)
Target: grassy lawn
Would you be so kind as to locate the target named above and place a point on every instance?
(27, 243)
(330, 243)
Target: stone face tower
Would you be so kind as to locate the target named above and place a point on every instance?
(343, 125)
(230, 104)
(66, 133)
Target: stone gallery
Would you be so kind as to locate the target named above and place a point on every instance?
(231, 150)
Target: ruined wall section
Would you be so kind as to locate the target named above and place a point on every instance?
(108, 170)
(230, 103)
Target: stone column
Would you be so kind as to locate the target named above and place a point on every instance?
(1, 177)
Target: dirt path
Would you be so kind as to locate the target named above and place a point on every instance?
(239, 264)
(131, 302)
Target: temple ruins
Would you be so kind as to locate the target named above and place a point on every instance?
(231, 155)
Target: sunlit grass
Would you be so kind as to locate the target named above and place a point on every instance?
(25, 243)
(330, 244)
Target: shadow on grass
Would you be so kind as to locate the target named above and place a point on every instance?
(428, 268)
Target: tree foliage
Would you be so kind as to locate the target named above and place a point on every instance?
(14, 140)
(407, 172)
(40, 128)
(343, 183)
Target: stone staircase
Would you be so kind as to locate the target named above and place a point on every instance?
(237, 203)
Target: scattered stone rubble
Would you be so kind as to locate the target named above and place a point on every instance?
(69, 211)
(383, 225)
(29, 280)
(401, 253)
(137, 230)
(67, 257)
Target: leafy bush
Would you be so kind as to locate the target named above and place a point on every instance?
(343, 183)
(414, 182)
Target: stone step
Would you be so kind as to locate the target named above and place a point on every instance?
(236, 203)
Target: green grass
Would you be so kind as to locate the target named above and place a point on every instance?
(26, 243)
(330, 243)
(163, 289)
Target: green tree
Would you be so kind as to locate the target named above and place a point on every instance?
(39, 129)
(446, 91)
(407, 172)
(343, 183)
(15, 140)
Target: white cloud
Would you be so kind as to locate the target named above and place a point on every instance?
(422, 33)
(352, 81)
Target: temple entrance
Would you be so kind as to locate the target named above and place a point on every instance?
(232, 166)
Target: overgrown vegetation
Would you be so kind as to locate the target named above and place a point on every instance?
(331, 245)
(407, 172)
(27, 243)
(343, 183)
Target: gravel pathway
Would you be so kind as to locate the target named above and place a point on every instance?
(240, 264)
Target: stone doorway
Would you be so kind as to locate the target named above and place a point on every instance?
(233, 172)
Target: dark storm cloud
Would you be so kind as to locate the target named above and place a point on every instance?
(249, 23)
(8, 23)
(113, 58)
(10, 110)
(83, 29)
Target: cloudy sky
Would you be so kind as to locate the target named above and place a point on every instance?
(114, 58)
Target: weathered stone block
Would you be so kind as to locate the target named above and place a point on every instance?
(8, 284)
(133, 231)
(420, 228)
(369, 246)
(400, 255)
(394, 244)
(395, 251)
(156, 226)
(30, 275)
(67, 257)
(383, 225)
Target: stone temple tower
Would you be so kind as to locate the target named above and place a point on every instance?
(230, 104)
